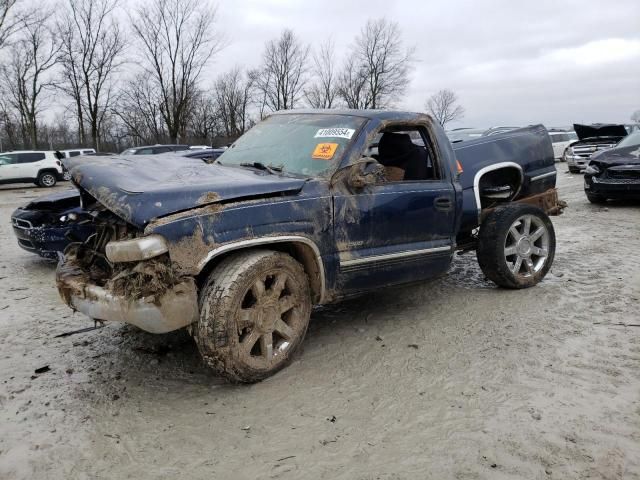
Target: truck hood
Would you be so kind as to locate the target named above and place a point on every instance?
(58, 201)
(599, 130)
(141, 188)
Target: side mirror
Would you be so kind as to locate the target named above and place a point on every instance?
(367, 171)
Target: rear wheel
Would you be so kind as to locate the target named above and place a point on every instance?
(595, 198)
(516, 245)
(254, 313)
(47, 179)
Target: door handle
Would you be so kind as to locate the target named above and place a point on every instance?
(443, 203)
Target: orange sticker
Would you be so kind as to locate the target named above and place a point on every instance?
(324, 151)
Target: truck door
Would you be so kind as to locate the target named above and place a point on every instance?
(403, 229)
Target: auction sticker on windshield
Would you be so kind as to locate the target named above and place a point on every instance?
(324, 151)
(335, 132)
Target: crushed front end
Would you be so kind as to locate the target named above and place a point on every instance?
(118, 274)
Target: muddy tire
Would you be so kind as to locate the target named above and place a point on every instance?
(595, 198)
(516, 245)
(46, 179)
(254, 313)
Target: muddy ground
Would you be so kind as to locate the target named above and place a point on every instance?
(452, 379)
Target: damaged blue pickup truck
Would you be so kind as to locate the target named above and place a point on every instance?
(306, 208)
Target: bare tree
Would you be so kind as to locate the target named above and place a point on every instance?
(353, 86)
(9, 22)
(203, 119)
(232, 93)
(281, 78)
(444, 107)
(92, 47)
(10, 126)
(635, 116)
(323, 93)
(137, 108)
(25, 76)
(377, 70)
(177, 40)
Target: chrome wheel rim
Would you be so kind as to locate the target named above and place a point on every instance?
(270, 320)
(526, 248)
(48, 180)
(67, 176)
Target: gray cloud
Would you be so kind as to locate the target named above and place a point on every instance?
(510, 62)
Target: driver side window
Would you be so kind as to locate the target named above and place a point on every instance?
(405, 153)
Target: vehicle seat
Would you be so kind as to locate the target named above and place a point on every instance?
(397, 150)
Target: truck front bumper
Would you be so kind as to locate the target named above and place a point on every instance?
(577, 161)
(174, 308)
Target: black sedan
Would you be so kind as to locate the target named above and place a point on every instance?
(48, 224)
(615, 173)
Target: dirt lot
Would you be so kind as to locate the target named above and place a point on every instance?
(452, 379)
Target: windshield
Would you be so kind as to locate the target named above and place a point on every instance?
(304, 144)
(630, 140)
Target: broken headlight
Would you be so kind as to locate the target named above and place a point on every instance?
(136, 249)
(592, 170)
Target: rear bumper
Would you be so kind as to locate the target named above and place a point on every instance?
(175, 308)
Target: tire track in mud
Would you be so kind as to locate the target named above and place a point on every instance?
(451, 379)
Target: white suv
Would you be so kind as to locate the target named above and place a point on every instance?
(25, 166)
(560, 140)
(74, 152)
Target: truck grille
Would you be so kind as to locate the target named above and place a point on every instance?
(587, 150)
(631, 174)
(629, 177)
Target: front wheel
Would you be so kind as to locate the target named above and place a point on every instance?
(254, 313)
(516, 245)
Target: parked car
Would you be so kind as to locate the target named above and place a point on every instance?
(591, 139)
(614, 173)
(560, 140)
(208, 155)
(42, 167)
(294, 215)
(466, 134)
(154, 149)
(46, 226)
(73, 153)
(497, 130)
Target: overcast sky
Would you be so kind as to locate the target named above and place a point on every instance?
(510, 62)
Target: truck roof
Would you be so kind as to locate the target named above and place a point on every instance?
(372, 114)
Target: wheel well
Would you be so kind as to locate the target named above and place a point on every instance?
(503, 176)
(47, 170)
(301, 252)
